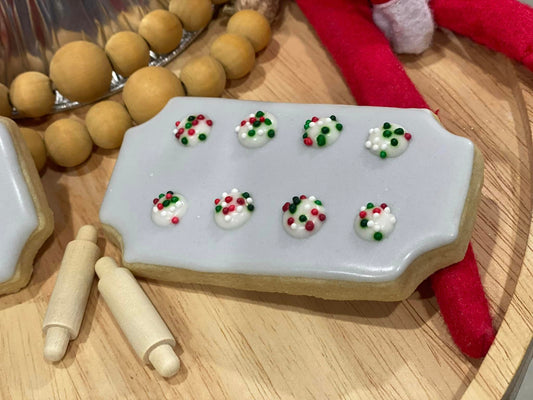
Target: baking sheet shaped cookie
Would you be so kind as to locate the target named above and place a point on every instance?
(346, 202)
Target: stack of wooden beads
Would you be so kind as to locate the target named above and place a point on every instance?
(82, 71)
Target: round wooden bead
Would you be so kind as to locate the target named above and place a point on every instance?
(217, 2)
(203, 77)
(31, 94)
(148, 90)
(193, 14)
(253, 26)
(5, 105)
(107, 122)
(81, 71)
(127, 52)
(68, 142)
(235, 53)
(35, 143)
(162, 30)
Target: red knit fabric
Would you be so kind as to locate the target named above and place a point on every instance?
(502, 25)
(463, 305)
(376, 78)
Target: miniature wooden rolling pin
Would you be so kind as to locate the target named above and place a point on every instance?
(71, 292)
(139, 320)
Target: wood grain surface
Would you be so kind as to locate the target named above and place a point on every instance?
(244, 345)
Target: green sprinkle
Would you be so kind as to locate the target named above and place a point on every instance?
(166, 203)
(324, 129)
(175, 199)
(256, 123)
(318, 202)
(184, 141)
(218, 208)
(321, 140)
(398, 131)
(305, 135)
(386, 125)
(250, 207)
(370, 205)
(202, 136)
(363, 223)
(259, 114)
(296, 200)
(246, 195)
(191, 118)
(161, 195)
(339, 127)
(394, 142)
(333, 118)
(271, 133)
(387, 133)
(378, 236)
(306, 126)
(302, 218)
(188, 125)
(292, 208)
(268, 122)
(383, 154)
(307, 122)
(251, 133)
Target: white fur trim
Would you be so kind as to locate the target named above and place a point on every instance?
(408, 24)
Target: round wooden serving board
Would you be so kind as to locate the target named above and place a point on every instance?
(245, 345)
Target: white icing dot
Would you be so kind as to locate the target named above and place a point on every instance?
(155, 209)
(239, 208)
(251, 115)
(224, 204)
(387, 210)
(260, 132)
(370, 224)
(294, 226)
(227, 218)
(175, 131)
(224, 194)
(376, 140)
(172, 209)
(243, 135)
(307, 206)
(375, 215)
(363, 208)
(320, 122)
(179, 203)
(377, 227)
(328, 119)
(375, 147)
(312, 198)
(248, 124)
(368, 144)
(234, 190)
(163, 213)
(393, 219)
(249, 200)
(237, 128)
(311, 124)
(384, 146)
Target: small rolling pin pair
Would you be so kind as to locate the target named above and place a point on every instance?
(135, 314)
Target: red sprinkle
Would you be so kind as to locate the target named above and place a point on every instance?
(228, 199)
(195, 122)
(177, 123)
(180, 131)
(191, 132)
(225, 210)
(217, 201)
(175, 220)
(377, 210)
(362, 214)
(262, 119)
(240, 201)
(322, 217)
(177, 135)
(384, 205)
(286, 206)
(156, 201)
(252, 120)
(160, 206)
(308, 141)
(309, 225)
(168, 196)
(243, 123)
(209, 122)
(314, 119)
(290, 221)
(407, 136)
(314, 211)
(303, 197)
(231, 208)
(200, 116)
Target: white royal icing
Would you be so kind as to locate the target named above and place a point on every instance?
(341, 178)
(321, 132)
(233, 209)
(168, 208)
(256, 130)
(374, 222)
(193, 129)
(389, 140)
(303, 216)
(18, 218)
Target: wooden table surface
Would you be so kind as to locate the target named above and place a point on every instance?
(244, 345)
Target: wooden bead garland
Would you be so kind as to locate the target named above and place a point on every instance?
(35, 143)
(107, 122)
(81, 71)
(253, 26)
(162, 30)
(127, 52)
(31, 94)
(68, 142)
(235, 53)
(148, 90)
(193, 14)
(203, 76)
